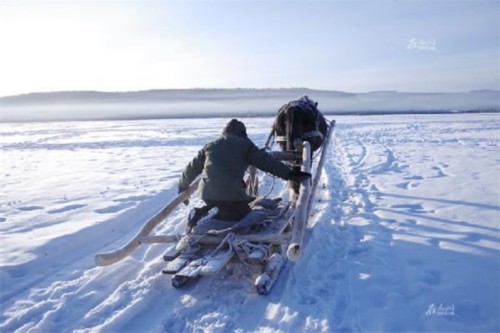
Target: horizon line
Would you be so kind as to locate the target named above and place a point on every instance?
(241, 88)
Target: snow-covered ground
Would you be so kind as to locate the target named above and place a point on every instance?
(404, 237)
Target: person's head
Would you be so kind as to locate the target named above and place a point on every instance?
(236, 127)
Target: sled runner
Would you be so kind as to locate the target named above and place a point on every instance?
(262, 241)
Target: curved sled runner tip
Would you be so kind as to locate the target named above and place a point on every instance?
(104, 259)
(294, 252)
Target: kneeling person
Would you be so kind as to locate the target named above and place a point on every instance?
(222, 164)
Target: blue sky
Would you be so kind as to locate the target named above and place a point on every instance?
(413, 45)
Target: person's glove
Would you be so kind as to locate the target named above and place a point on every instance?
(299, 176)
(182, 189)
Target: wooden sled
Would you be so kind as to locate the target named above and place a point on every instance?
(263, 245)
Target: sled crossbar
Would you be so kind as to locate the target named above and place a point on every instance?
(216, 239)
(268, 238)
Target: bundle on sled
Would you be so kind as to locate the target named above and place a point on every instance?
(263, 240)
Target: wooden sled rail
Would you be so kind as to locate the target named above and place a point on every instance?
(294, 251)
(306, 197)
(104, 259)
(321, 162)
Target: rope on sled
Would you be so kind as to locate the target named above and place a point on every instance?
(229, 240)
(272, 188)
(243, 248)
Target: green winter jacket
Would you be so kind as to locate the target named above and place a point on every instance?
(222, 164)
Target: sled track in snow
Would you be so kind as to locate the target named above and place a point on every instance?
(327, 292)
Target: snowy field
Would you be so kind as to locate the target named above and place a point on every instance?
(404, 237)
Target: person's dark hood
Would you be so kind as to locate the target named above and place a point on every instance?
(235, 127)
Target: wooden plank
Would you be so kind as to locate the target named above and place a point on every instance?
(104, 259)
(294, 251)
(171, 254)
(252, 182)
(272, 237)
(321, 162)
(176, 265)
(160, 239)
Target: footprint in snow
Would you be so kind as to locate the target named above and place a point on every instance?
(414, 178)
(444, 165)
(431, 277)
(115, 209)
(308, 300)
(415, 262)
(435, 242)
(30, 208)
(65, 209)
(410, 222)
(407, 185)
(404, 186)
(410, 207)
(2, 219)
(439, 172)
(357, 250)
(473, 237)
(132, 198)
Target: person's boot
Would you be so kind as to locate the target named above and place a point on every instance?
(195, 215)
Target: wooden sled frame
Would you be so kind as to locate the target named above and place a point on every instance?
(294, 238)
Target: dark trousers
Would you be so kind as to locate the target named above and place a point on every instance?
(229, 210)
